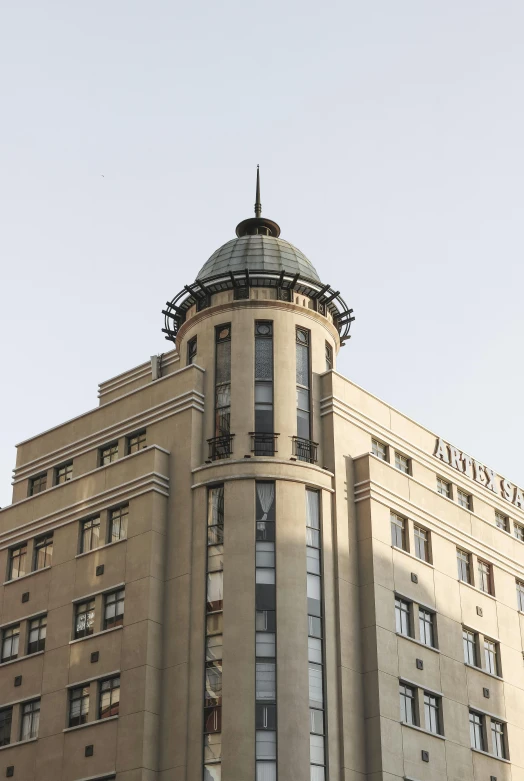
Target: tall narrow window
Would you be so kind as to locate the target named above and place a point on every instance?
(491, 656)
(402, 617)
(265, 638)
(464, 565)
(18, 562)
(136, 442)
(398, 531)
(191, 350)
(264, 441)
(64, 473)
(109, 698)
(114, 609)
(485, 577)
(108, 454)
(37, 635)
(476, 730)
(10, 640)
(520, 595)
(379, 449)
(426, 627)
(118, 523)
(497, 739)
(37, 484)
(90, 534)
(84, 618)
(501, 521)
(43, 552)
(303, 444)
(6, 718)
(213, 649)
(78, 705)
(329, 357)
(220, 446)
(30, 720)
(315, 644)
(469, 643)
(432, 713)
(407, 704)
(421, 543)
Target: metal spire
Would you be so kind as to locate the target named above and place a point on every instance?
(258, 205)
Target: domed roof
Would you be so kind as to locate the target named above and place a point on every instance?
(258, 253)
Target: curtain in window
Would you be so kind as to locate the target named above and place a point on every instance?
(312, 509)
(212, 772)
(266, 497)
(215, 590)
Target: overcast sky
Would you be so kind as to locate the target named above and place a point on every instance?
(390, 140)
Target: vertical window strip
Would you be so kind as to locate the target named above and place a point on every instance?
(264, 428)
(213, 649)
(317, 756)
(303, 395)
(223, 381)
(265, 633)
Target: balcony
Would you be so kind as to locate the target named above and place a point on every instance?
(305, 450)
(220, 447)
(263, 444)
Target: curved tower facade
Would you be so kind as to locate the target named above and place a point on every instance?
(241, 566)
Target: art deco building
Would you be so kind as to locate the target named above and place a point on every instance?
(241, 566)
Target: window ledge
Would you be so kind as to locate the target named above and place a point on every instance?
(100, 547)
(424, 731)
(23, 577)
(412, 556)
(493, 756)
(20, 659)
(422, 645)
(19, 743)
(88, 637)
(482, 670)
(478, 590)
(90, 724)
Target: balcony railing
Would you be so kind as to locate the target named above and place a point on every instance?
(263, 444)
(220, 447)
(305, 450)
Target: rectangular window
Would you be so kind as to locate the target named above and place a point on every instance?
(264, 385)
(485, 573)
(223, 381)
(266, 681)
(109, 698)
(37, 484)
(37, 634)
(118, 523)
(432, 713)
(501, 521)
(426, 626)
(464, 499)
(17, 562)
(491, 656)
(518, 531)
(84, 618)
(402, 463)
(379, 449)
(398, 531)
(90, 534)
(114, 609)
(316, 696)
(191, 350)
(464, 565)
(6, 718)
(43, 551)
(108, 454)
(520, 596)
(497, 739)
(78, 705)
(476, 730)
(469, 642)
(329, 357)
(64, 473)
(30, 720)
(402, 617)
(266, 744)
(10, 641)
(407, 704)
(136, 442)
(443, 487)
(421, 543)
(303, 388)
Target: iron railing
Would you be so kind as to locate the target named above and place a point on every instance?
(305, 450)
(263, 444)
(220, 447)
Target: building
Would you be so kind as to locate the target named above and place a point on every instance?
(242, 566)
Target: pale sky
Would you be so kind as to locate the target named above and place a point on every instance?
(390, 140)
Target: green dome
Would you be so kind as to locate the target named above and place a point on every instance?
(258, 253)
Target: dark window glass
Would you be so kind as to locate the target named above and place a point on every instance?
(213, 719)
(64, 473)
(329, 357)
(191, 350)
(136, 442)
(18, 562)
(118, 523)
(265, 716)
(37, 484)
(43, 552)
(108, 454)
(109, 698)
(265, 596)
(84, 618)
(223, 381)
(37, 634)
(10, 641)
(78, 706)
(114, 609)
(6, 717)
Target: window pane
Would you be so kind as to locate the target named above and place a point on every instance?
(265, 681)
(315, 650)
(266, 744)
(316, 697)
(316, 749)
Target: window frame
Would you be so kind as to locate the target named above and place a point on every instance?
(11, 558)
(43, 542)
(83, 524)
(34, 716)
(101, 691)
(470, 642)
(8, 710)
(431, 623)
(141, 437)
(433, 708)
(84, 697)
(477, 727)
(504, 524)
(40, 640)
(14, 637)
(119, 595)
(485, 577)
(68, 473)
(498, 738)
(108, 453)
(464, 500)
(122, 518)
(191, 353)
(403, 615)
(520, 594)
(37, 479)
(447, 487)
(399, 531)
(492, 656)
(426, 543)
(90, 607)
(408, 694)
(376, 444)
(464, 565)
(399, 457)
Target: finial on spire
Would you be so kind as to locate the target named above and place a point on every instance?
(258, 205)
